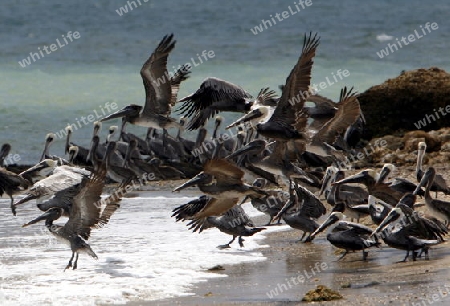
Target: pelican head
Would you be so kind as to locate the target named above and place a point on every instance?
(50, 137)
(73, 152)
(422, 146)
(200, 179)
(40, 170)
(386, 171)
(394, 215)
(97, 127)
(333, 220)
(69, 129)
(130, 111)
(260, 183)
(111, 132)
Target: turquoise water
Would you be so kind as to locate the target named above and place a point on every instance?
(103, 64)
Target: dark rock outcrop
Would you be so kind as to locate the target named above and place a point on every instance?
(400, 103)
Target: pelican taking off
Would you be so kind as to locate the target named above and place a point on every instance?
(158, 92)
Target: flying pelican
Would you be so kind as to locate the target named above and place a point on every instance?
(233, 222)
(439, 208)
(439, 183)
(409, 231)
(158, 92)
(61, 178)
(346, 235)
(228, 188)
(213, 96)
(259, 111)
(87, 212)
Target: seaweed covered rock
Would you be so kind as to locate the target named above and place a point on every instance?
(416, 99)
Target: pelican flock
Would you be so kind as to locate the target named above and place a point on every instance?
(281, 144)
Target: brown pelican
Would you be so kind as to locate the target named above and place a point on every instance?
(439, 183)
(227, 189)
(369, 178)
(345, 206)
(11, 183)
(158, 92)
(400, 184)
(439, 208)
(87, 212)
(49, 139)
(346, 235)
(259, 111)
(213, 96)
(233, 222)
(61, 178)
(81, 157)
(347, 193)
(301, 210)
(409, 231)
(117, 173)
(39, 171)
(286, 123)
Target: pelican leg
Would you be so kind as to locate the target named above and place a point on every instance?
(406, 257)
(241, 241)
(414, 256)
(76, 262)
(426, 254)
(303, 236)
(69, 265)
(227, 246)
(13, 207)
(365, 254)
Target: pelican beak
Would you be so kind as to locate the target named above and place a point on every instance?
(247, 148)
(124, 112)
(391, 217)
(198, 179)
(256, 113)
(356, 178)
(330, 220)
(42, 217)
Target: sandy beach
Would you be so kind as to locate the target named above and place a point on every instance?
(381, 280)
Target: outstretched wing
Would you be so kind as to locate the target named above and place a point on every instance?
(348, 112)
(296, 90)
(158, 92)
(213, 96)
(224, 171)
(181, 75)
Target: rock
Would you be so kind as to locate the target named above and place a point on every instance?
(321, 293)
(400, 103)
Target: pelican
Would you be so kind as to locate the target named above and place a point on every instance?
(346, 193)
(233, 222)
(61, 178)
(400, 184)
(439, 183)
(369, 178)
(86, 212)
(81, 157)
(39, 171)
(259, 111)
(158, 92)
(11, 183)
(346, 235)
(227, 189)
(213, 96)
(409, 231)
(439, 208)
(308, 207)
(344, 205)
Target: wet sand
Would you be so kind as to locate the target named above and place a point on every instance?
(381, 280)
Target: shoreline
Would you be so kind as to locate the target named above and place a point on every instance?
(382, 280)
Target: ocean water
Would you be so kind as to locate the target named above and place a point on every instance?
(143, 255)
(103, 64)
